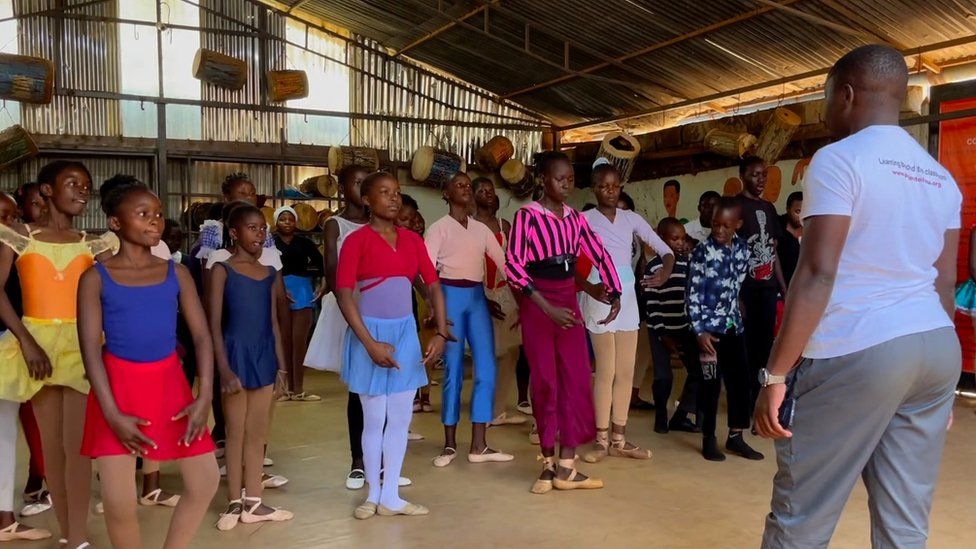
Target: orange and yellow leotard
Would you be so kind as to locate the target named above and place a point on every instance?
(49, 274)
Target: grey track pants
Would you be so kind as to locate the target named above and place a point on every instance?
(880, 414)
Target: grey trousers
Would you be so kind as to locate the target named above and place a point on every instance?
(880, 414)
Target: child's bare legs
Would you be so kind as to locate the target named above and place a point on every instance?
(256, 423)
(235, 415)
(150, 480)
(301, 325)
(61, 415)
(117, 478)
(200, 480)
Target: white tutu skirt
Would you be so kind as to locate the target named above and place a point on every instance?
(627, 320)
(325, 348)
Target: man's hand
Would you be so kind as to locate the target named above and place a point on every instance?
(766, 416)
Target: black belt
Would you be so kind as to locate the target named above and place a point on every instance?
(557, 267)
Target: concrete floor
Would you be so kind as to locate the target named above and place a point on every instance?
(676, 500)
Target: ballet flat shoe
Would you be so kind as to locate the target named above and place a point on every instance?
(365, 511)
(409, 510)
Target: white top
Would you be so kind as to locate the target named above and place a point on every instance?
(695, 230)
(901, 203)
(458, 252)
(618, 239)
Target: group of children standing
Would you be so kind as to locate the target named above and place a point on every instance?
(106, 335)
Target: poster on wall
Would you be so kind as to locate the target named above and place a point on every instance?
(957, 152)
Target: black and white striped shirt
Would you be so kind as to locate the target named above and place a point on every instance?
(665, 306)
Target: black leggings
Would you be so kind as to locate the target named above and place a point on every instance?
(759, 305)
(354, 416)
(731, 368)
(664, 378)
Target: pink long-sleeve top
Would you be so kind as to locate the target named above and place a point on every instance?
(538, 235)
(458, 252)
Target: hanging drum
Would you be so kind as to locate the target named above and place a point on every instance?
(776, 134)
(220, 70)
(621, 150)
(308, 218)
(320, 186)
(324, 216)
(494, 153)
(517, 178)
(287, 85)
(340, 157)
(268, 213)
(16, 145)
(729, 144)
(196, 213)
(26, 79)
(435, 167)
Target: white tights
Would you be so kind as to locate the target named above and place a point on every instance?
(8, 452)
(386, 420)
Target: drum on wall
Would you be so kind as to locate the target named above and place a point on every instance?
(435, 167)
(220, 70)
(26, 79)
(494, 153)
(268, 213)
(517, 178)
(621, 150)
(324, 216)
(776, 134)
(308, 218)
(729, 144)
(16, 144)
(321, 186)
(286, 85)
(196, 213)
(340, 157)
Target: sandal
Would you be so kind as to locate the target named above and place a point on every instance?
(600, 449)
(443, 460)
(305, 397)
(618, 448)
(276, 515)
(365, 511)
(541, 485)
(152, 499)
(571, 483)
(36, 503)
(356, 479)
(232, 516)
(11, 533)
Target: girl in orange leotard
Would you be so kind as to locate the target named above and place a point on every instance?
(40, 354)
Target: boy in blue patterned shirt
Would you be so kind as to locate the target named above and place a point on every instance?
(715, 274)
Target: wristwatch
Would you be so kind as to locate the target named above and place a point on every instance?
(766, 378)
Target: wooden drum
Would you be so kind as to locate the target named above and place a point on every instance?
(621, 150)
(320, 186)
(495, 152)
(196, 213)
(220, 70)
(517, 178)
(324, 216)
(268, 213)
(776, 134)
(435, 167)
(729, 144)
(26, 79)
(340, 157)
(286, 85)
(16, 145)
(308, 218)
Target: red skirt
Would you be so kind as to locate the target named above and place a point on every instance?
(154, 391)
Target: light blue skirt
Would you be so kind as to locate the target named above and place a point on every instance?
(364, 377)
(300, 289)
(966, 297)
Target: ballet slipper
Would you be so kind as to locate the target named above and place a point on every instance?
(252, 504)
(443, 460)
(409, 510)
(152, 498)
(490, 456)
(571, 483)
(11, 533)
(356, 479)
(229, 519)
(544, 486)
(365, 511)
(599, 449)
(619, 449)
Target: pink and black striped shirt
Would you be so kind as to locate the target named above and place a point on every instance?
(538, 234)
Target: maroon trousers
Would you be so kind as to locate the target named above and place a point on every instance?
(560, 378)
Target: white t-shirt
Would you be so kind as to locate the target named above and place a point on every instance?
(901, 203)
(695, 230)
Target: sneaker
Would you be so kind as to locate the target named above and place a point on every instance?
(273, 481)
(738, 445)
(525, 407)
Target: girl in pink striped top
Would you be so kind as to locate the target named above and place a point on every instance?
(547, 237)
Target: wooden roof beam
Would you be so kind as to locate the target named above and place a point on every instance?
(928, 48)
(653, 47)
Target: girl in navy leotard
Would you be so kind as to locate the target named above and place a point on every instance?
(242, 297)
(140, 403)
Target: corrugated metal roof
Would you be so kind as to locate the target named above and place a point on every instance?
(759, 43)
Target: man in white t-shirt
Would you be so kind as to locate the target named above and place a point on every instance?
(699, 229)
(869, 311)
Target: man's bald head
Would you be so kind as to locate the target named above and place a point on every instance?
(865, 87)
